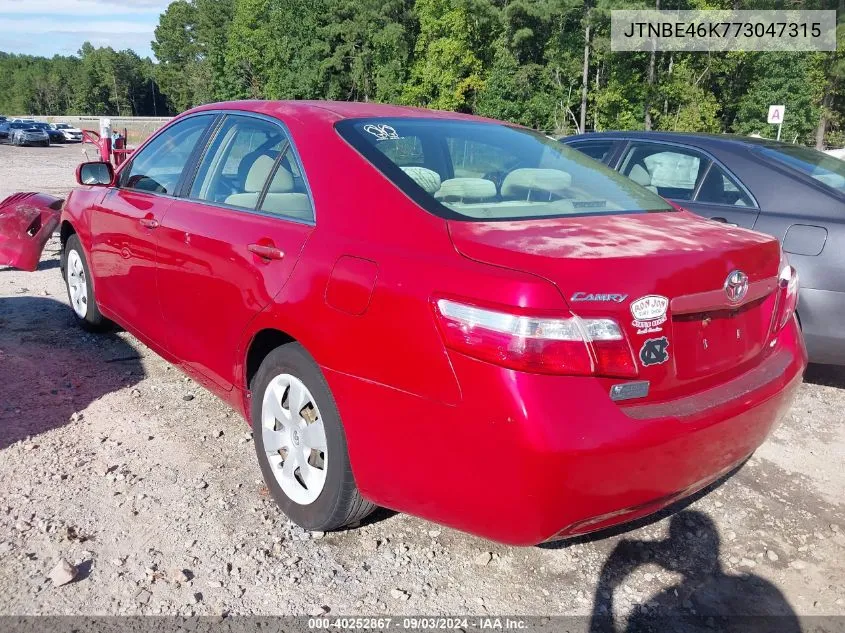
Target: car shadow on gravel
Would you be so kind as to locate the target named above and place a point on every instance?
(706, 598)
(826, 375)
(51, 370)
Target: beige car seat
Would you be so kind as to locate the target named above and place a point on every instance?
(281, 198)
(461, 189)
(535, 184)
(426, 178)
(640, 175)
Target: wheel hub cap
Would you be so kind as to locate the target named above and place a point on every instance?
(294, 438)
(76, 283)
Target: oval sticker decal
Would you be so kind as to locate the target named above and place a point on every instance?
(649, 308)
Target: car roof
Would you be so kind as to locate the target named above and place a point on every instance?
(336, 110)
(700, 139)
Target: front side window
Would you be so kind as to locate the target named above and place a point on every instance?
(158, 167)
(670, 171)
(478, 170)
(597, 150)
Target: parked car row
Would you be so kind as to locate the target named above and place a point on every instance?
(794, 193)
(31, 132)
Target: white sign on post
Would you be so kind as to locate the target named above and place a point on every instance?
(776, 113)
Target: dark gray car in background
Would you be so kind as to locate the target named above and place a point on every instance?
(792, 192)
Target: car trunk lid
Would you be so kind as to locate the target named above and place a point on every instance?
(662, 276)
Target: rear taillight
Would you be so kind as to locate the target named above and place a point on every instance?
(787, 299)
(561, 345)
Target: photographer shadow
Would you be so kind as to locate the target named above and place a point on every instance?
(706, 599)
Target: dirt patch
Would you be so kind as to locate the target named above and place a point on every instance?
(158, 499)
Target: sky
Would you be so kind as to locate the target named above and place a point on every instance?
(59, 27)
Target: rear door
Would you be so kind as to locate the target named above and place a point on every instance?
(229, 244)
(692, 179)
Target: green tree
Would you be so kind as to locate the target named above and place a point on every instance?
(452, 48)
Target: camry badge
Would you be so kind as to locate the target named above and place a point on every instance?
(736, 286)
(598, 296)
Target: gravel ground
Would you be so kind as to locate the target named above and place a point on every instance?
(148, 485)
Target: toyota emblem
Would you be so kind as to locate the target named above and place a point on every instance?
(736, 286)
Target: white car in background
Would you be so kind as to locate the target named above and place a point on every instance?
(71, 134)
(836, 153)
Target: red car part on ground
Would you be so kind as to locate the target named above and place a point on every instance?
(27, 221)
(514, 352)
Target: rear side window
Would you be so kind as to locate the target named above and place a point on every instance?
(490, 171)
(238, 162)
(250, 165)
(719, 188)
(158, 167)
(670, 171)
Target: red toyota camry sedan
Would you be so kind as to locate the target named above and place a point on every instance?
(441, 314)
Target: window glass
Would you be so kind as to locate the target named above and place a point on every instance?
(597, 150)
(719, 188)
(239, 161)
(405, 152)
(480, 170)
(472, 159)
(824, 168)
(287, 195)
(664, 169)
(159, 165)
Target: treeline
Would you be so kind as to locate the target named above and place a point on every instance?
(97, 81)
(543, 63)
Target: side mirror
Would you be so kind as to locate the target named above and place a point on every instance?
(96, 174)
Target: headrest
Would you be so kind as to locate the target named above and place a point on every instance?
(257, 174)
(519, 181)
(282, 181)
(466, 188)
(640, 175)
(428, 179)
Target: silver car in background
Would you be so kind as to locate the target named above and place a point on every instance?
(26, 134)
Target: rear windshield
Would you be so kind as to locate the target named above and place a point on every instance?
(489, 171)
(824, 168)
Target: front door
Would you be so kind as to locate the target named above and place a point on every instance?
(227, 249)
(124, 228)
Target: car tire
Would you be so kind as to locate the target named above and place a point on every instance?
(320, 499)
(80, 289)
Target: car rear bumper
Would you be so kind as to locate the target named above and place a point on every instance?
(527, 458)
(821, 321)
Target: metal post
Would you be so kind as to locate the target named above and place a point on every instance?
(105, 140)
(780, 125)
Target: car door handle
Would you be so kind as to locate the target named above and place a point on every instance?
(266, 252)
(149, 223)
(724, 221)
